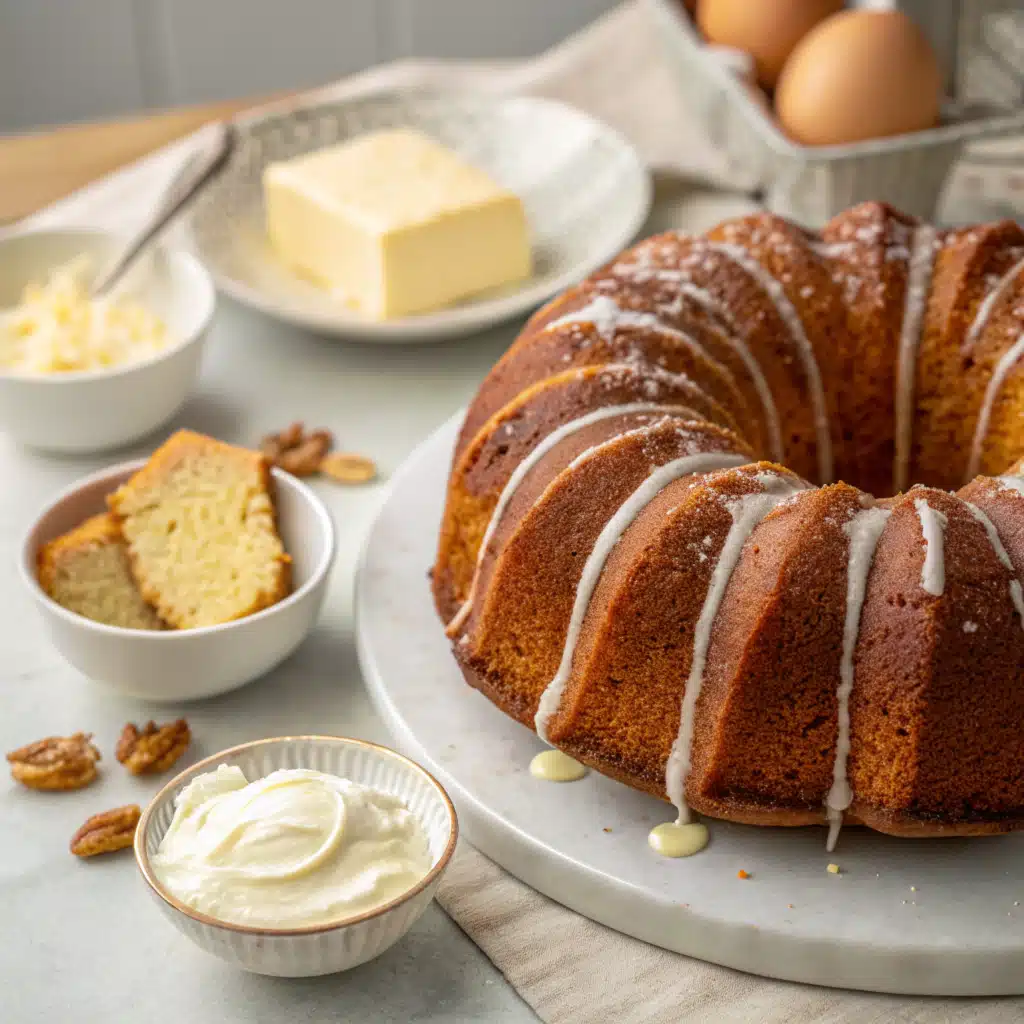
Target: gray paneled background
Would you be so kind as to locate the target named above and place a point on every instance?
(71, 60)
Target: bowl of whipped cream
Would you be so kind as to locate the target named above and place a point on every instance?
(297, 856)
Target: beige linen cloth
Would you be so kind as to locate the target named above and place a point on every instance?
(589, 973)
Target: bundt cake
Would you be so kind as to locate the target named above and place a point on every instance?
(646, 556)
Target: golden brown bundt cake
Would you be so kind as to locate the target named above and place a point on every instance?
(756, 640)
(502, 443)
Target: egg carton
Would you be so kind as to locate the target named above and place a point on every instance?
(812, 184)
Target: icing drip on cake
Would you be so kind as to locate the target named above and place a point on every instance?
(734, 338)
(919, 273)
(1003, 555)
(605, 314)
(988, 304)
(608, 316)
(995, 384)
(531, 460)
(705, 462)
(554, 766)
(933, 525)
(746, 512)
(863, 531)
(791, 318)
(678, 839)
(730, 330)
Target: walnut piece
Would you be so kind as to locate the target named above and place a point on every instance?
(106, 832)
(348, 468)
(56, 763)
(297, 452)
(155, 748)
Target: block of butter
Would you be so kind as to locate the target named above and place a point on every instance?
(395, 224)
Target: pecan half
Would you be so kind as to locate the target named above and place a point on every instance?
(297, 452)
(153, 749)
(106, 832)
(56, 763)
(348, 468)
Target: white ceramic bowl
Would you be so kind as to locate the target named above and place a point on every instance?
(584, 187)
(325, 948)
(191, 663)
(96, 410)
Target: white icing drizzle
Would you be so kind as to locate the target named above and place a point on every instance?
(746, 511)
(730, 331)
(988, 304)
(734, 337)
(1016, 595)
(995, 383)
(791, 318)
(1012, 483)
(659, 479)
(605, 314)
(532, 458)
(608, 316)
(915, 303)
(863, 531)
(554, 766)
(933, 525)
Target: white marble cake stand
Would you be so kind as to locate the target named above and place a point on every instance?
(933, 917)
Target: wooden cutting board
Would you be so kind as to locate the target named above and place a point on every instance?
(42, 167)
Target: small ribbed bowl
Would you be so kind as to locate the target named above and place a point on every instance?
(322, 948)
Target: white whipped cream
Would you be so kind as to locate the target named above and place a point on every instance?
(296, 848)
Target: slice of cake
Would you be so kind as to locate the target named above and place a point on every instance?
(200, 528)
(87, 571)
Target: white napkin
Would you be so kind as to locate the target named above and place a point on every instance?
(573, 971)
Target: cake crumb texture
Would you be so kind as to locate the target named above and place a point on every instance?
(87, 572)
(201, 533)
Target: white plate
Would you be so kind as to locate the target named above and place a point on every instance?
(585, 190)
(931, 917)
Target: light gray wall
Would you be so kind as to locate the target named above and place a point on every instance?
(70, 60)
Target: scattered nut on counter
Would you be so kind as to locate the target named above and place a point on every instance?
(106, 832)
(348, 468)
(56, 763)
(69, 762)
(154, 748)
(306, 454)
(297, 452)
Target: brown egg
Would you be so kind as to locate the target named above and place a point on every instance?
(767, 29)
(860, 75)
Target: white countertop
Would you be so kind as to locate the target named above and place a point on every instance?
(81, 937)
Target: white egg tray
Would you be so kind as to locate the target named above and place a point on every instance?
(812, 184)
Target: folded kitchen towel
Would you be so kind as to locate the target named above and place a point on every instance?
(573, 971)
